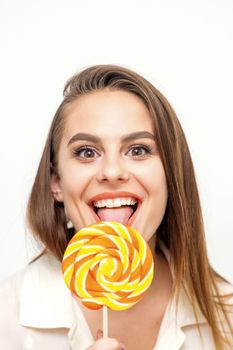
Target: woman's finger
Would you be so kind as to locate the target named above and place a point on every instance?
(107, 344)
(99, 334)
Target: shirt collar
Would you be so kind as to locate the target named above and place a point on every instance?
(176, 316)
(184, 313)
(45, 300)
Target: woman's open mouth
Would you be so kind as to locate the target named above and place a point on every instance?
(120, 209)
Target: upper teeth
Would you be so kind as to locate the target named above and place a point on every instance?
(116, 202)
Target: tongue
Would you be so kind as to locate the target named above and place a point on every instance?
(121, 214)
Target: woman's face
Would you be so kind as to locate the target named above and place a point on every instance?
(108, 163)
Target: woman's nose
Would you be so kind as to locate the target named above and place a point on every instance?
(112, 169)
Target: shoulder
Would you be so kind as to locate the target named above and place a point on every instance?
(225, 299)
(10, 290)
(225, 291)
(9, 296)
(12, 285)
(34, 312)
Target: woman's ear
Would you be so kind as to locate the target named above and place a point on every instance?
(56, 188)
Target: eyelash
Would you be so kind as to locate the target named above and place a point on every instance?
(146, 149)
(83, 149)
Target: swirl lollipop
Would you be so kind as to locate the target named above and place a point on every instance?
(108, 264)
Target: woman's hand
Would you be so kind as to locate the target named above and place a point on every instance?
(106, 343)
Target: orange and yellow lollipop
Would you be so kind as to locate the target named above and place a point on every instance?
(108, 264)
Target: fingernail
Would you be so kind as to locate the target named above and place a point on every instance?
(99, 334)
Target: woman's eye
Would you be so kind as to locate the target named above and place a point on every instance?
(85, 152)
(139, 151)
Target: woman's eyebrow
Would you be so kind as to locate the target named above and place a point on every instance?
(138, 135)
(83, 137)
(96, 139)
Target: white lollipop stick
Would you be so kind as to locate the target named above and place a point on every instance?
(105, 321)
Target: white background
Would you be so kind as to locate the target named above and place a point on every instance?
(184, 47)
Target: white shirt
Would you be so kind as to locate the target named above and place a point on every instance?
(37, 311)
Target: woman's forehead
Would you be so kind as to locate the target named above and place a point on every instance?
(108, 113)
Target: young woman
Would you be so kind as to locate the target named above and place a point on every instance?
(114, 141)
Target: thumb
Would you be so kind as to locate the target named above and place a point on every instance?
(99, 334)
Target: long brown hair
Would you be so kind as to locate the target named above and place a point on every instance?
(182, 226)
